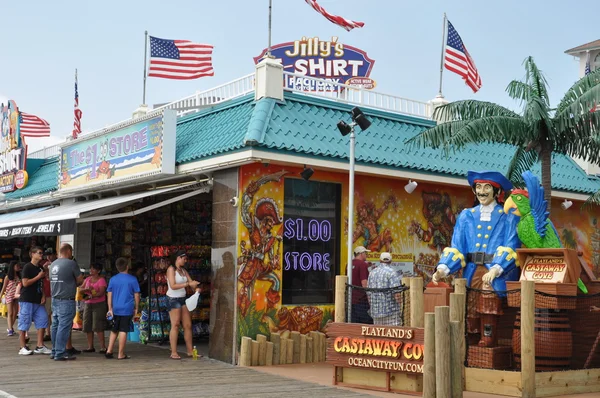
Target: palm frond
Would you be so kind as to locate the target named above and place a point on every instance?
(519, 91)
(578, 89)
(457, 134)
(536, 112)
(522, 160)
(470, 109)
(592, 202)
(536, 79)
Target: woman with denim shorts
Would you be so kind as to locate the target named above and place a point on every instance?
(178, 279)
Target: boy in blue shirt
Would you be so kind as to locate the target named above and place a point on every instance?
(123, 296)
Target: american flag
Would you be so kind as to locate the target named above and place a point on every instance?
(33, 126)
(336, 19)
(77, 111)
(588, 70)
(458, 60)
(180, 59)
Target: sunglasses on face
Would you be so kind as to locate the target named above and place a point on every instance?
(39, 253)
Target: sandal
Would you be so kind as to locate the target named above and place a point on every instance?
(102, 351)
(108, 355)
(89, 350)
(176, 357)
(125, 357)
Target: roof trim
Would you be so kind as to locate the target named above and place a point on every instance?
(593, 45)
(217, 108)
(259, 121)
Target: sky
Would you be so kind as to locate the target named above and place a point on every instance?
(44, 42)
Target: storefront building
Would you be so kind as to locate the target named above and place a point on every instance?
(270, 237)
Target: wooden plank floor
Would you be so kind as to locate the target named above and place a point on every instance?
(149, 373)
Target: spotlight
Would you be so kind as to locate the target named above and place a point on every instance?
(411, 186)
(359, 118)
(307, 173)
(566, 204)
(344, 128)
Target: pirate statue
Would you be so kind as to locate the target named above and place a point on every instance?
(483, 246)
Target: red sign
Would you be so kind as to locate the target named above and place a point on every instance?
(21, 179)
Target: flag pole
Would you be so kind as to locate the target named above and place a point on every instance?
(145, 62)
(443, 52)
(270, 14)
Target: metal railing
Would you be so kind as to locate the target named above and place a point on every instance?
(203, 99)
(46, 153)
(355, 95)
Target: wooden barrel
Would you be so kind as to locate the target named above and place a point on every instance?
(553, 340)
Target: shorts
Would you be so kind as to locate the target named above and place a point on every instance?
(122, 323)
(30, 312)
(176, 302)
(94, 317)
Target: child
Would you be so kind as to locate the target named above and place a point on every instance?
(123, 297)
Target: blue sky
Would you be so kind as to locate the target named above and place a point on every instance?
(43, 42)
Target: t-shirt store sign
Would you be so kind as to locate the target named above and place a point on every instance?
(137, 148)
(13, 152)
(329, 60)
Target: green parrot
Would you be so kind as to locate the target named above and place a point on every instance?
(535, 230)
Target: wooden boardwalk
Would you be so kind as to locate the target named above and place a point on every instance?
(149, 373)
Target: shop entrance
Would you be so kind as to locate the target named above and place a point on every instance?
(149, 241)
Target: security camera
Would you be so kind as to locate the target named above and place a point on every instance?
(234, 201)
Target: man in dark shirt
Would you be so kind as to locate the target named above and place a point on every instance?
(65, 276)
(31, 303)
(360, 276)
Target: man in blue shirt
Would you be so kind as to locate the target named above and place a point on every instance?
(123, 296)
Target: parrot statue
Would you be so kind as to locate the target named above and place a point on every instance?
(535, 230)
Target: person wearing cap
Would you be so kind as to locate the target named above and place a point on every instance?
(360, 277)
(385, 304)
(484, 241)
(178, 279)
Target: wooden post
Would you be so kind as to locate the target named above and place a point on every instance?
(246, 352)
(528, 338)
(270, 353)
(458, 302)
(283, 351)
(302, 348)
(406, 315)
(323, 347)
(255, 349)
(460, 285)
(340, 298)
(296, 337)
(429, 357)
(261, 339)
(309, 349)
(276, 340)
(442, 351)
(416, 302)
(290, 351)
(316, 345)
(456, 339)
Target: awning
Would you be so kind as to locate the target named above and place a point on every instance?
(61, 220)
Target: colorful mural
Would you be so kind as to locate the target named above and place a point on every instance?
(386, 218)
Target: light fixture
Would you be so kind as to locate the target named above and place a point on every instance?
(344, 128)
(566, 204)
(411, 186)
(307, 173)
(359, 118)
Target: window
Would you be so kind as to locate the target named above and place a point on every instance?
(311, 241)
(596, 64)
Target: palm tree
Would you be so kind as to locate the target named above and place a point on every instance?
(568, 239)
(537, 131)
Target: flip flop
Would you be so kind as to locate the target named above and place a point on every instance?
(176, 357)
(102, 351)
(108, 355)
(125, 357)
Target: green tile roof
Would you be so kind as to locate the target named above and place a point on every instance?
(42, 180)
(307, 125)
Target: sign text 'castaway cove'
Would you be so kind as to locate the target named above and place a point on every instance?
(138, 148)
(12, 151)
(331, 61)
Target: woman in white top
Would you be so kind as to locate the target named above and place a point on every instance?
(178, 279)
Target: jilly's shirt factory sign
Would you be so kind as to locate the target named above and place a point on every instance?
(384, 348)
(13, 153)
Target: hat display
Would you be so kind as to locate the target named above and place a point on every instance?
(385, 257)
(361, 249)
(492, 177)
(180, 253)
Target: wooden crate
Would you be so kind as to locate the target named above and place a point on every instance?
(499, 358)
